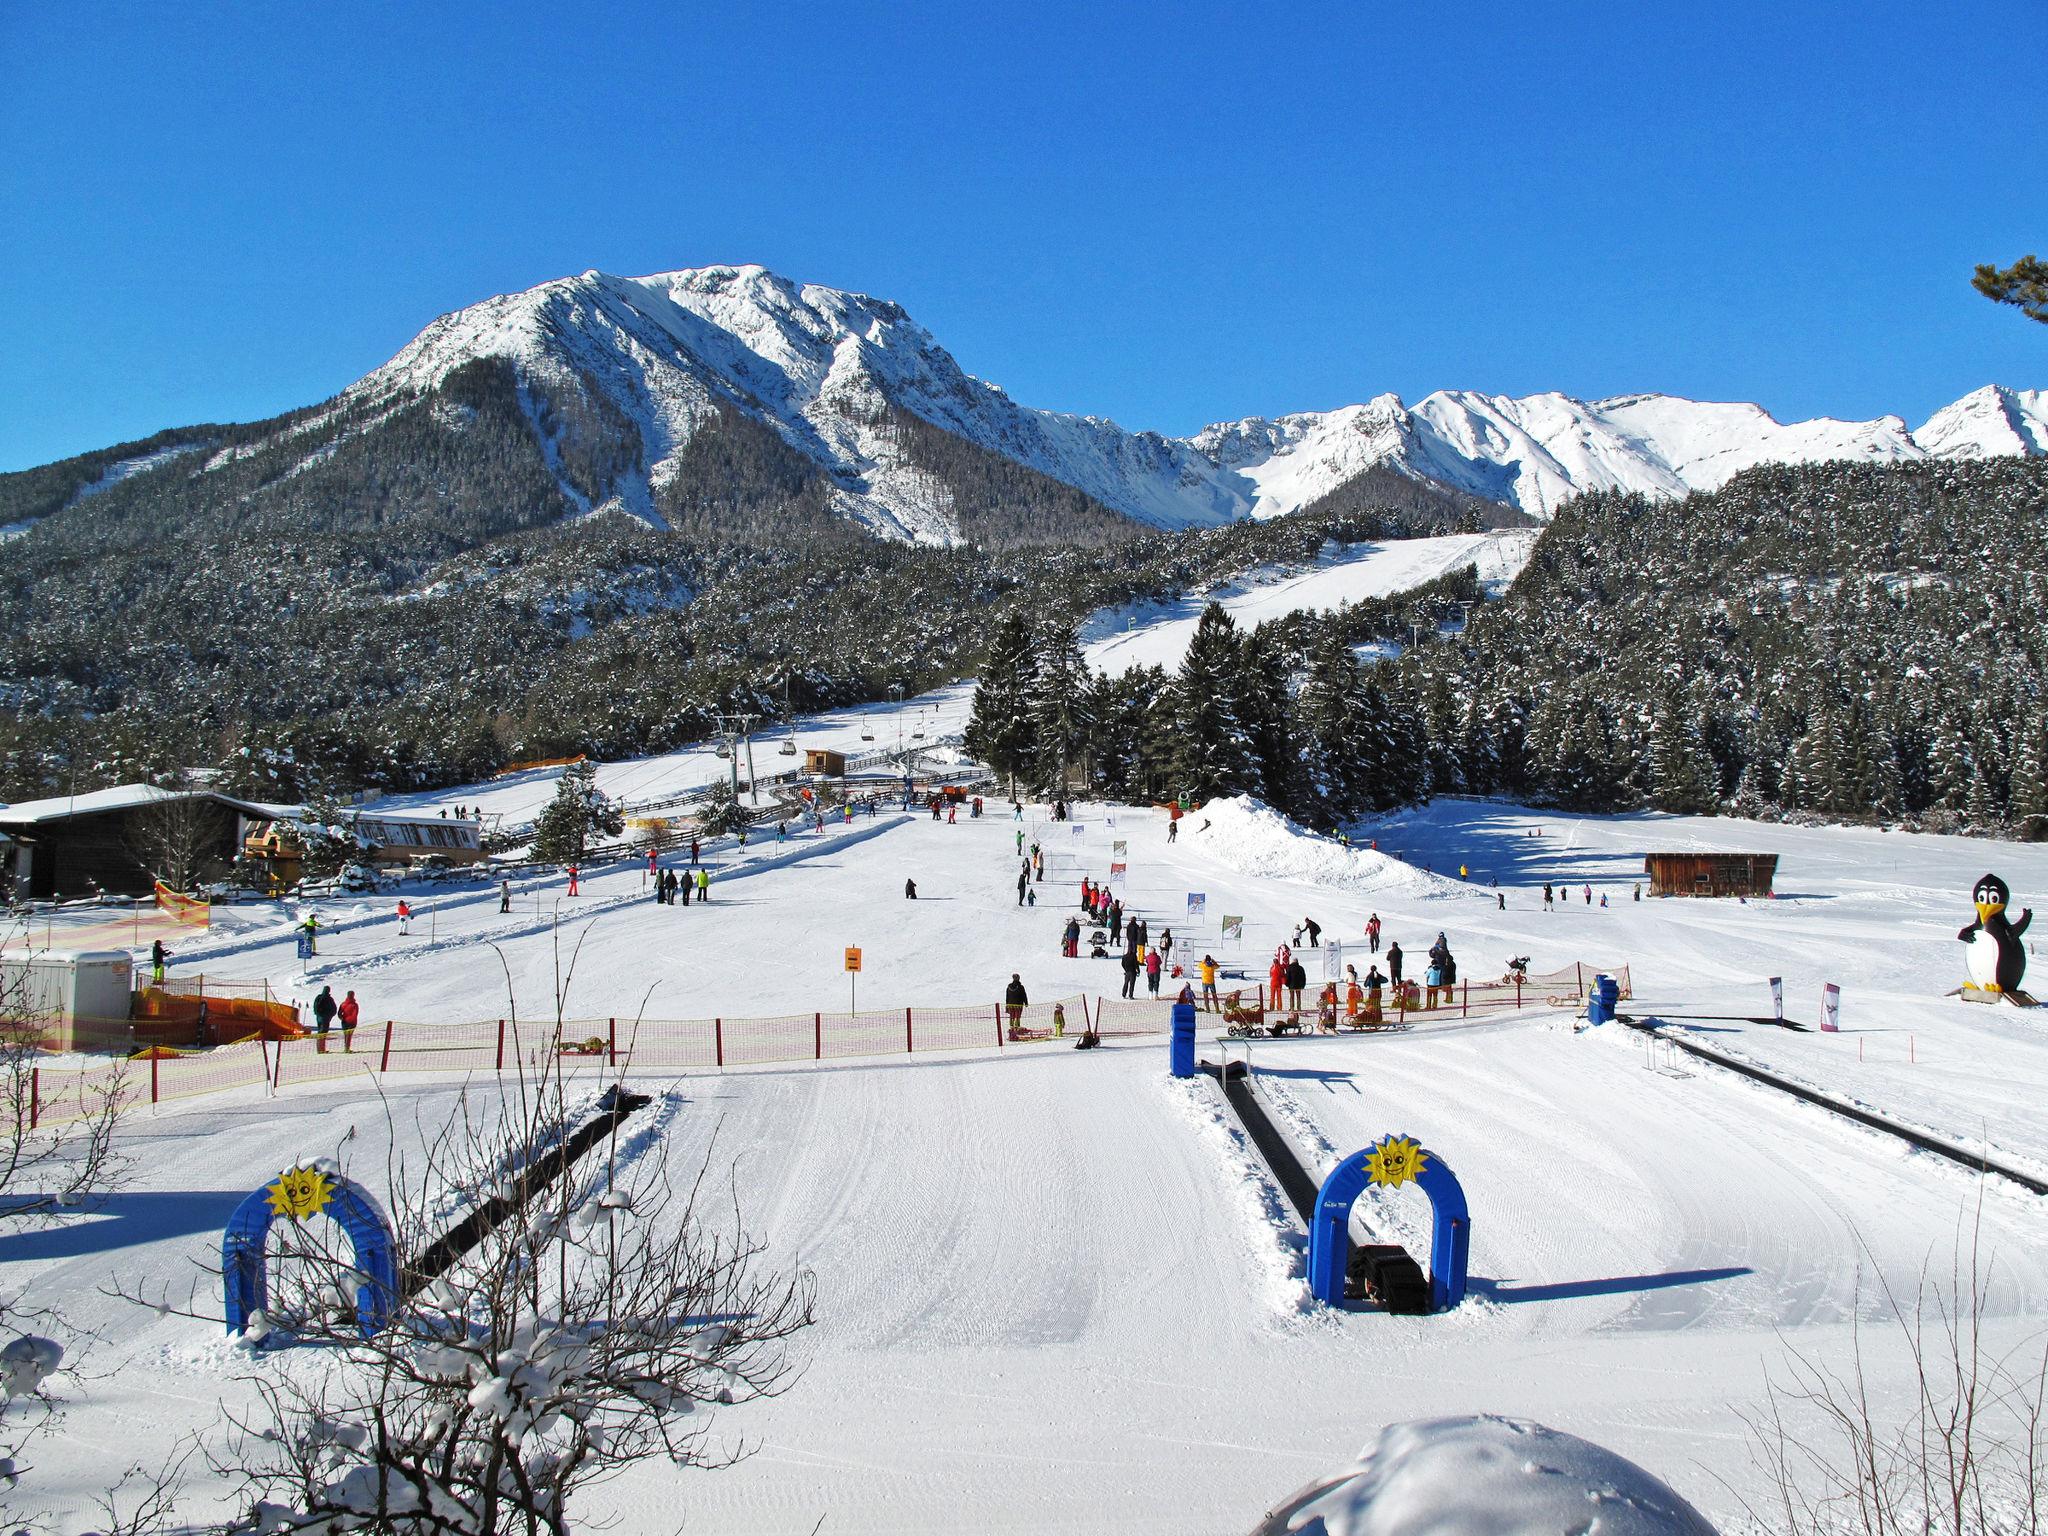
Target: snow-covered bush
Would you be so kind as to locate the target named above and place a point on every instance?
(1484, 1476)
(598, 1319)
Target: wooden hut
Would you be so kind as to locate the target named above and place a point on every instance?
(825, 763)
(1710, 874)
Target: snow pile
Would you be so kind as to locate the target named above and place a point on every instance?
(1485, 1476)
(1254, 839)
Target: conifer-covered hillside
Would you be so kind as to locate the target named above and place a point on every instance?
(1853, 641)
(464, 631)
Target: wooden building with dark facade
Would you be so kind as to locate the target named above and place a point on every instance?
(77, 845)
(1710, 874)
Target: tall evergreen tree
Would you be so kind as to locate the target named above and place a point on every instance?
(1060, 694)
(562, 831)
(999, 731)
(1339, 749)
(1212, 756)
(1681, 773)
(1265, 712)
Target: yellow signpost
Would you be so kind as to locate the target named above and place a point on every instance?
(852, 976)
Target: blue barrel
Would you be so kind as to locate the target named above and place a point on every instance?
(1606, 995)
(1181, 1050)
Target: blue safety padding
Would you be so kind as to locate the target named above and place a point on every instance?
(245, 1269)
(1329, 1232)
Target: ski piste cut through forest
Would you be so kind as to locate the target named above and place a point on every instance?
(1854, 642)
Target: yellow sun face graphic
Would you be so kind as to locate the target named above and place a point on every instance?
(300, 1192)
(1394, 1160)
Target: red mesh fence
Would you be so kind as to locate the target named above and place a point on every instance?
(679, 1045)
(187, 1076)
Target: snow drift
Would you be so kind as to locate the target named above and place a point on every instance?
(1485, 1476)
(1252, 838)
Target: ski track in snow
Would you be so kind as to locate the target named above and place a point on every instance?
(1057, 1289)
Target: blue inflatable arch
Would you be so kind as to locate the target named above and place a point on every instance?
(1329, 1234)
(245, 1267)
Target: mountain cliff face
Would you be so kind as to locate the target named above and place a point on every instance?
(651, 361)
(1534, 453)
(729, 399)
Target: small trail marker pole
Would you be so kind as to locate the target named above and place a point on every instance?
(391, 1028)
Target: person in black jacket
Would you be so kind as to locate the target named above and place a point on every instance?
(1130, 970)
(1297, 978)
(910, 890)
(1014, 1002)
(1394, 965)
(324, 1010)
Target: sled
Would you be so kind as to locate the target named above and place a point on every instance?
(1385, 1273)
(2017, 998)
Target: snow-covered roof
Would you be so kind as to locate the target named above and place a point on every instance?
(121, 797)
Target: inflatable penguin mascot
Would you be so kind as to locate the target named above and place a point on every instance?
(1997, 959)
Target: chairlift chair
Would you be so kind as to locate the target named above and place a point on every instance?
(787, 749)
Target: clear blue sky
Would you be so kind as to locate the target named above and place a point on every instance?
(1165, 213)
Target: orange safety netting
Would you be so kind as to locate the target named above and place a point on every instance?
(189, 910)
(227, 1018)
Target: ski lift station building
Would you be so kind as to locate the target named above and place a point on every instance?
(1710, 874)
(73, 845)
(825, 763)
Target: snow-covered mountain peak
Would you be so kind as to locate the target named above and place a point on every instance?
(1989, 423)
(1535, 451)
(830, 372)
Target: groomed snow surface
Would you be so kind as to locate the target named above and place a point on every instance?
(1056, 1290)
(1157, 634)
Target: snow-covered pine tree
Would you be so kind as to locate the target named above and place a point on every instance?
(720, 812)
(1058, 708)
(1264, 709)
(1441, 737)
(1682, 777)
(999, 732)
(1339, 746)
(1951, 765)
(580, 808)
(1211, 756)
(2028, 798)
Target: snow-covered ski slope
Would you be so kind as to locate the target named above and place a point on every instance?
(1148, 634)
(1157, 634)
(1055, 1292)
